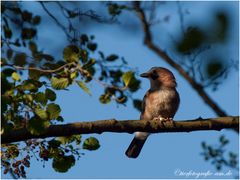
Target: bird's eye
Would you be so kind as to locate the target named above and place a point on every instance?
(154, 75)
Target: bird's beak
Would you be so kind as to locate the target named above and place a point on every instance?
(145, 75)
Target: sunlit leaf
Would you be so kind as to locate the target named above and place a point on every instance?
(71, 53)
(83, 86)
(41, 113)
(127, 77)
(16, 76)
(59, 83)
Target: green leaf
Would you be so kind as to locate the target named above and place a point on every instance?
(26, 16)
(127, 77)
(137, 103)
(71, 53)
(47, 57)
(54, 143)
(83, 86)
(7, 32)
(28, 97)
(41, 98)
(20, 59)
(37, 126)
(73, 75)
(9, 53)
(92, 46)
(134, 85)
(60, 118)
(28, 33)
(53, 110)
(41, 113)
(112, 57)
(70, 139)
(34, 74)
(16, 76)
(13, 151)
(30, 85)
(36, 20)
(193, 38)
(84, 55)
(59, 83)
(91, 144)
(84, 39)
(89, 64)
(214, 67)
(63, 163)
(32, 46)
(105, 98)
(50, 95)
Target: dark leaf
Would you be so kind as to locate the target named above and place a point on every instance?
(112, 57)
(36, 20)
(50, 94)
(41, 98)
(137, 103)
(92, 46)
(192, 39)
(63, 163)
(20, 59)
(37, 126)
(91, 144)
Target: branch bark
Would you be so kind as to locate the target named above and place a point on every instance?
(127, 126)
(149, 43)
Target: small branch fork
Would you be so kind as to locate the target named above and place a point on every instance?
(126, 126)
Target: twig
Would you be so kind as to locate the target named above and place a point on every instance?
(196, 86)
(41, 70)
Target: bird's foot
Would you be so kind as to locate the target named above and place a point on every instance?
(164, 120)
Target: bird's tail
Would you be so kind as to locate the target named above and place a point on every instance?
(135, 147)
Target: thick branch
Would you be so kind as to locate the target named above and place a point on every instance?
(128, 126)
(196, 86)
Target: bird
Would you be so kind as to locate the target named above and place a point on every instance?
(161, 102)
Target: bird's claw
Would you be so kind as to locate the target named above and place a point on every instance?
(164, 120)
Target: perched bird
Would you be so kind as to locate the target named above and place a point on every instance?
(160, 102)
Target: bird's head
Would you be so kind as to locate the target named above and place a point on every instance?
(160, 77)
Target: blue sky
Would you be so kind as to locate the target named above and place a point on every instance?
(162, 154)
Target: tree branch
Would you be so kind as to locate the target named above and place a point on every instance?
(196, 86)
(41, 70)
(127, 126)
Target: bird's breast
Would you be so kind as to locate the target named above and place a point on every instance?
(162, 103)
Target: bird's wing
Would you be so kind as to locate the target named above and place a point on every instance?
(144, 104)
